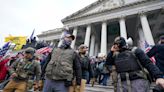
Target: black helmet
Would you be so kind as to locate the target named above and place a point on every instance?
(121, 41)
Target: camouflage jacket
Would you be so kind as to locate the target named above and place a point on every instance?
(26, 69)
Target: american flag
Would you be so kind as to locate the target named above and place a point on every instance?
(44, 50)
(147, 47)
(4, 49)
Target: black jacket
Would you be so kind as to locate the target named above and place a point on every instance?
(144, 60)
(77, 69)
(158, 52)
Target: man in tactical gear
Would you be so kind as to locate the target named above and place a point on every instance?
(22, 71)
(129, 67)
(62, 67)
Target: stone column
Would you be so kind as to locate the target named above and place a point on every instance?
(141, 42)
(92, 45)
(75, 34)
(146, 29)
(96, 49)
(87, 36)
(104, 38)
(123, 32)
(141, 34)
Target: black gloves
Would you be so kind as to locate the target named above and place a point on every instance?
(68, 83)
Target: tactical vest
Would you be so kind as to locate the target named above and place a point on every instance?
(128, 68)
(60, 66)
(25, 69)
(126, 61)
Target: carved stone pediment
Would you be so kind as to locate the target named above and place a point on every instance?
(109, 4)
(98, 6)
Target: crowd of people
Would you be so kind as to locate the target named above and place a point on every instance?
(63, 69)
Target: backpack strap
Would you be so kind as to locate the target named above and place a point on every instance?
(120, 83)
(114, 77)
(133, 51)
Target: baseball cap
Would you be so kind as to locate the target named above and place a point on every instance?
(70, 35)
(101, 55)
(30, 50)
(83, 46)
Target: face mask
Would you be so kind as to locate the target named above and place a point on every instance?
(67, 42)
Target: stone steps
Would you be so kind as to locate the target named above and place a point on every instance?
(101, 88)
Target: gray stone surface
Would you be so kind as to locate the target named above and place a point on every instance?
(99, 88)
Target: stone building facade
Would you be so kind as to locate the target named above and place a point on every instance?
(99, 23)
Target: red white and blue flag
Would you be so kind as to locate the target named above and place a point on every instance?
(44, 50)
(147, 47)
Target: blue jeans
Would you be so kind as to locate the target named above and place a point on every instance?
(54, 86)
(85, 75)
(105, 78)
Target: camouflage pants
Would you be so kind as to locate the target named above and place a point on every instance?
(138, 85)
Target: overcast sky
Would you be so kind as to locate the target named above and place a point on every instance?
(20, 17)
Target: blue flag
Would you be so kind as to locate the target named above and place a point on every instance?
(6, 45)
(31, 37)
(146, 45)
